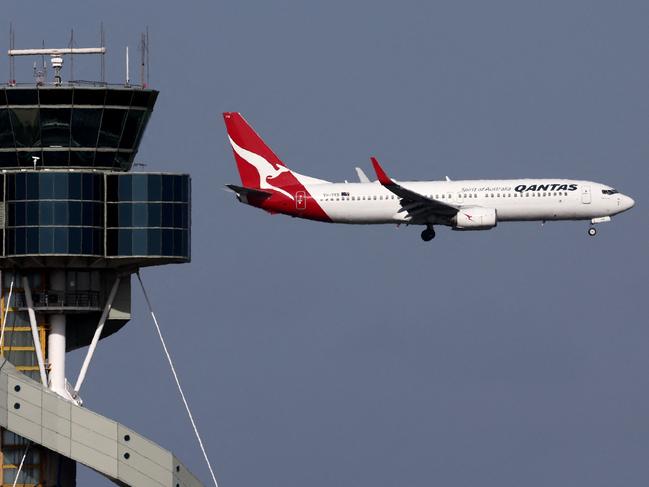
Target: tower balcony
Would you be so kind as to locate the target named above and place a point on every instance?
(61, 301)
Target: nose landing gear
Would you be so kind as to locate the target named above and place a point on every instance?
(428, 234)
(592, 231)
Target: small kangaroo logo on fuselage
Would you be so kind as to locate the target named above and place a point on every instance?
(265, 169)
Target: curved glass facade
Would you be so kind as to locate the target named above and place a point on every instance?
(73, 126)
(147, 215)
(54, 213)
(97, 214)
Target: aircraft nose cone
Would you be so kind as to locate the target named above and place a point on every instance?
(628, 202)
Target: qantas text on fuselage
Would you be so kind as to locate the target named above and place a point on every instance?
(462, 205)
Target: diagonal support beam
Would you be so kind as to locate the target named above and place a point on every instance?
(34, 327)
(97, 335)
(4, 318)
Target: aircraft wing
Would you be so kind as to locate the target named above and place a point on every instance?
(418, 206)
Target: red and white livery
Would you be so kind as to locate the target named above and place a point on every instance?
(268, 184)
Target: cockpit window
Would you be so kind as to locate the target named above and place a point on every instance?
(610, 191)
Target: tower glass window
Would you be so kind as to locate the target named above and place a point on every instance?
(148, 215)
(47, 213)
(74, 126)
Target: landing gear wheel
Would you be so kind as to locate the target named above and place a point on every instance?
(592, 231)
(428, 234)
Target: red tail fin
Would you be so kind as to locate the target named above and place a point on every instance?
(255, 160)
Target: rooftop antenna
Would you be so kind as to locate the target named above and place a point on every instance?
(40, 74)
(128, 76)
(57, 64)
(56, 56)
(72, 55)
(43, 63)
(147, 55)
(142, 50)
(102, 42)
(12, 67)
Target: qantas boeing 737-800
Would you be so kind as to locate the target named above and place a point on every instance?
(462, 205)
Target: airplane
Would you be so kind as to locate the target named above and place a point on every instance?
(267, 183)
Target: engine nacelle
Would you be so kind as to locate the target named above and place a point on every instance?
(474, 218)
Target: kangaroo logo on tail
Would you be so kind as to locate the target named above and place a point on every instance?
(265, 169)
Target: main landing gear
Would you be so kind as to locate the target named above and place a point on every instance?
(428, 234)
(592, 231)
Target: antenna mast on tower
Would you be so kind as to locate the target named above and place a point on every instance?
(12, 66)
(147, 55)
(71, 45)
(102, 43)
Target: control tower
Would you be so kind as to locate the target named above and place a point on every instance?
(76, 223)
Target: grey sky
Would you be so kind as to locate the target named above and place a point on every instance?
(316, 354)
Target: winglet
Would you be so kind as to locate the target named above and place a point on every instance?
(362, 177)
(384, 179)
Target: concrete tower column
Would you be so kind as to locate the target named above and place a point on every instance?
(56, 339)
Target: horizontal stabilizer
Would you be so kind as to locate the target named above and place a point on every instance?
(245, 192)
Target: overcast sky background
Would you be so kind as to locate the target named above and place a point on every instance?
(321, 355)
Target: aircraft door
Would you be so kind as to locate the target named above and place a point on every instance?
(300, 200)
(585, 195)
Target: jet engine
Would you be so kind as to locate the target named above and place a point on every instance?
(474, 218)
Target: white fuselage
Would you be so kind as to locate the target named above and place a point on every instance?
(513, 199)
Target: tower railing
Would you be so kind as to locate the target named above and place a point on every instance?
(58, 300)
